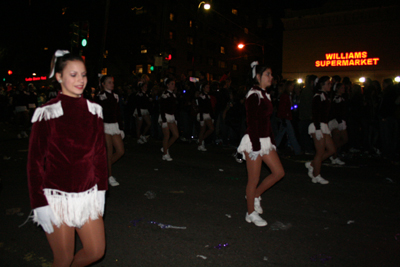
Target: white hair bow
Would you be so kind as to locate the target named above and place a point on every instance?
(253, 66)
(59, 53)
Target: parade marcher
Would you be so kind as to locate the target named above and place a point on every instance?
(168, 108)
(141, 113)
(319, 130)
(257, 145)
(205, 115)
(285, 114)
(112, 123)
(337, 124)
(67, 170)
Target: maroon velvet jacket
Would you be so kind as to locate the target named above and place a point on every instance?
(204, 103)
(258, 112)
(320, 109)
(167, 104)
(111, 110)
(142, 101)
(338, 108)
(284, 109)
(67, 148)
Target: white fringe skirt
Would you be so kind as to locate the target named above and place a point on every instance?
(112, 128)
(170, 119)
(333, 124)
(206, 116)
(75, 209)
(247, 146)
(144, 112)
(324, 128)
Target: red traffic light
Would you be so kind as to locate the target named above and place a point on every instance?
(169, 57)
(9, 72)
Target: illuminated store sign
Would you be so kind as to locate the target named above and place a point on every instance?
(347, 59)
(42, 78)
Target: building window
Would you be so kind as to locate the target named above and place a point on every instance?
(143, 49)
(211, 62)
(190, 40)
(104, 71)
(222, 50)
(139, 68)
(148, 69)
(246, 31)
(171, 16)
(190, 23)
(234, 11)
(222, 64)
(234, 67)
(171, 35)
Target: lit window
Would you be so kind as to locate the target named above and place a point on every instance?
(143, 49)
(171, 16)
(190, 23)
(246, 31)
(234, 67)
(171, 35)
(190, 40)
(148, 68)
(234, 11)
(222, 64)
(104, 71)
(139, 68)
(222, 50)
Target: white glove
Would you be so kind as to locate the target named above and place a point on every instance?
(101, 198)
(122, 134)
(254, 154)
(342, 126)
(164, 124)
(319, 135)
(44, 217)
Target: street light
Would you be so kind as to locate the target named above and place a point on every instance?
(241, 46)
(207, 6)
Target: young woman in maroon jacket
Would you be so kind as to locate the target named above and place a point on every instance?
(112, 123)
(319, 130)
(337, 124)
(67, 167)
(168, 107)
(285, 114)
(205, 115)
(257, 145)
(141, 113)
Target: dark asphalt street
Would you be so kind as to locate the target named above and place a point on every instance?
(353, 221)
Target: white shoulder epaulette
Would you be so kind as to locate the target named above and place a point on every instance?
(102, 96)
(48, 112)
(323, 98)
(95, 109)
(116, 97)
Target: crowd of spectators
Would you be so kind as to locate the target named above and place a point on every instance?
(372, 111)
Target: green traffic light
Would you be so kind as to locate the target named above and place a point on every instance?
(152, 68)
(84, 42)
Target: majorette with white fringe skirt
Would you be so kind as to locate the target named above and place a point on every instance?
(257, 144)
(67, 167)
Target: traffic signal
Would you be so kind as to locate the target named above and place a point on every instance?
(9, 72)
(151, 68)
(169, 57)
(84, 33)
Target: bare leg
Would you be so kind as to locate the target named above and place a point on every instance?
(253, 177)
(324, 148)
(201, 133)
(62, 243)
(210, 129)
(147, 120)
(175, 133)
(274, 164)
(138, 126)
(93, 240)
(165, 139)
(118, 144)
